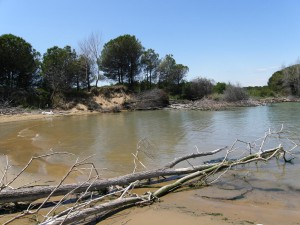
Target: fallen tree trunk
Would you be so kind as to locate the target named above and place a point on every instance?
(38, 192)
(77, 216)
(95, 205)
(201, 174)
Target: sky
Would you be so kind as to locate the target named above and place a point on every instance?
(237, 41)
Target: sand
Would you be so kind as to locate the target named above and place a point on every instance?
(189, 208)
(107, 104)
(40, 115)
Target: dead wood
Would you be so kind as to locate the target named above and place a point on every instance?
(85, 213)
(192, 156)
(118, 190)
(37, 192)
(200, 174)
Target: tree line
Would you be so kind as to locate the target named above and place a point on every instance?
(122, 60)
(28, 76)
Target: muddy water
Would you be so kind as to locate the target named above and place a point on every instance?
(161, 135)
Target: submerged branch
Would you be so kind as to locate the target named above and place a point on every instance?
(34, 193)
(118, 190)
(266, 155)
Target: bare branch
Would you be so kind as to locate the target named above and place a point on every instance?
(29, 163)
(119, 189)
(192, 156)
(2, 183)
(85, 213)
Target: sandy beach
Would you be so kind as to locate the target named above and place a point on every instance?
(186, 208)
(40, 115)
(189, 209)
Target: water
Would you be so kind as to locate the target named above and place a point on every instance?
(112, 138)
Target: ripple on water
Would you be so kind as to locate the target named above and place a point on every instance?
(26, 133)
(173, 133)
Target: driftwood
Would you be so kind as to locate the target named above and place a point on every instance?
(77, 216)
(90, 203)
(38, 192)
(151, 197)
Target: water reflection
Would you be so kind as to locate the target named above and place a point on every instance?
(111, 138)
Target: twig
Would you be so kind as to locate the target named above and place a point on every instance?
(4, 174)
(31, 160)
(81, 210)
(190, 156)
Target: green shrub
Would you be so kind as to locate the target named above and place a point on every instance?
(219, 88)
(260, 92)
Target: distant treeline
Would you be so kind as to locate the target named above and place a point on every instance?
(31, 79)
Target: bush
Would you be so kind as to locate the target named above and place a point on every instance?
(234, 93)
(155, 98)
(29, 98)
(74, 94)
(219, 88)
(198, 88)
(108, 91)
(39, 98)
(260, 92)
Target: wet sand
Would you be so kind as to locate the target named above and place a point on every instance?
(36, 115)
(189, 208)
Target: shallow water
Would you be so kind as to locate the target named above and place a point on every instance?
(111, 138)
(162, 135)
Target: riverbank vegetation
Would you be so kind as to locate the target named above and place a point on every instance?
(64, 76)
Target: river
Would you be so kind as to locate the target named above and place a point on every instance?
(111, 138)
(162, 135)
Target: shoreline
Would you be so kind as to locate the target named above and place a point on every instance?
(201, 105)
(38, 115)
(188, 208)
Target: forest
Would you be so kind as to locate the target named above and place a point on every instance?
(30, 79)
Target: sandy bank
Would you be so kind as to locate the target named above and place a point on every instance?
(39, 115)
(190, 208)
(201, 105)
(207, 104)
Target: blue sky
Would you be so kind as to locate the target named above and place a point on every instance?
(242, 41)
